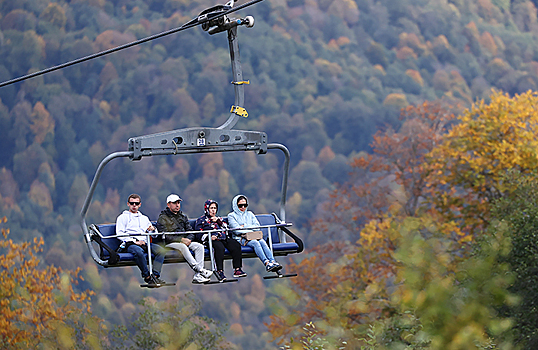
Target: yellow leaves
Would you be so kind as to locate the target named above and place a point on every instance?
(412, 40)
(54, 14)
(357, 307)
(396, 99)
(41, 122)
(328, 67)
(40, 194)
(476, 153)
(336, 44)
(112, 38)
(379, 68)
(346, 9)
(405, 53)
(415, 75)
(33, 298)
(374, 232)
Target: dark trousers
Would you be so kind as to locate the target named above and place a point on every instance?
(233, 246)
(140, 258)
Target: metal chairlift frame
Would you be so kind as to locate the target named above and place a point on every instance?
(201, 139)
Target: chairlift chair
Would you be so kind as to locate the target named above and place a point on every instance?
(200, 140)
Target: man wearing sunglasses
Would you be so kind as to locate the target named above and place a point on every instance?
(132, 223)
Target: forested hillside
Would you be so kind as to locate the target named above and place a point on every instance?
(324, 77)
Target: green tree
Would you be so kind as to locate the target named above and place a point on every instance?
(518, 211)
(170, 325)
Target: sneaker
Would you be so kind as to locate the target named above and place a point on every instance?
(220, 275)
(269, 266)
(239, 273)
(199, 279)
(274, 266)
(206, 273)
(159, 280)
(151, 282)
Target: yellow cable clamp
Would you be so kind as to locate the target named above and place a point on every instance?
(241, 82)
(240, 111)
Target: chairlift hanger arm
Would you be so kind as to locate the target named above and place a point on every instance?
(197, 140)
(211, 14)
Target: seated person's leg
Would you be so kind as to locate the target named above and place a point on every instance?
(266, 249)
(218, 249)
(272, 265)
(182, 247)
(198, 250)
(254, 244)
(235, 251)
(159, 253)
(140, 258)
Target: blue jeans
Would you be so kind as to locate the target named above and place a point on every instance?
(140, 258)
(261, 249)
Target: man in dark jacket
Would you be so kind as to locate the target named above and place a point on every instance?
(172, 219)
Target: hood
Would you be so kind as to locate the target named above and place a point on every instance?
(207, 204)
(235, 207)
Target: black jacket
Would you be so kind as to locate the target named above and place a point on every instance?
(170, 222)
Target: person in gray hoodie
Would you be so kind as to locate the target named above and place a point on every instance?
(132, 224)
(243, 218)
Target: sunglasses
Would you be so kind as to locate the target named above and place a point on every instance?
(134, 203)
(242, 205)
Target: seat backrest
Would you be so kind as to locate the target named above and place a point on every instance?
(268, 219)
(109, 230)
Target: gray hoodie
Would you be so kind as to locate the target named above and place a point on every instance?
(130, 223)
(238, 218)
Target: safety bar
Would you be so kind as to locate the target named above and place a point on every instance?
(197, 231)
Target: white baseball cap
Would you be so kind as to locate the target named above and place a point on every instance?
(173, 198)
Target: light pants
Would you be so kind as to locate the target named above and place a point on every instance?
(196, 262)
(261, 249)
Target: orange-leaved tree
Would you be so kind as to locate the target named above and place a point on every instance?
(344, 283)
(467, 168)
(37, 303)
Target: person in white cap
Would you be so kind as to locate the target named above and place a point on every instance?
(172, 219)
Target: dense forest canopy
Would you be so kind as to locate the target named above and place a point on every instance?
(324, 77)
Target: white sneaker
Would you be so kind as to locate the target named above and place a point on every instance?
(206, 273)
(198, 278)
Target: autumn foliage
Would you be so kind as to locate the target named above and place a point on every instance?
(346, 282)
(35, 300)
(420, 264)
(467, 168)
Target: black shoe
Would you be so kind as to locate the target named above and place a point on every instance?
(151, 282)
(159, 280)
(275, 267)
(220, 275)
